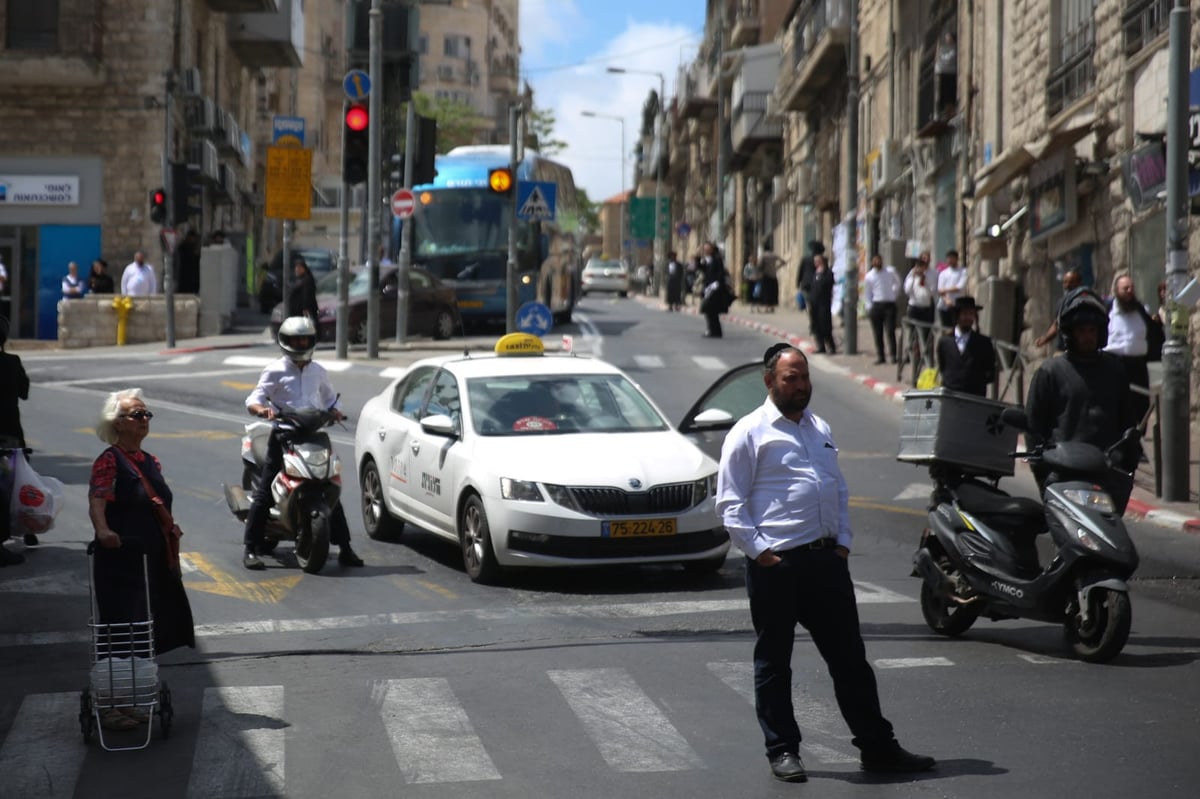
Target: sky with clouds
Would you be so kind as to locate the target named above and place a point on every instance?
(566, 46)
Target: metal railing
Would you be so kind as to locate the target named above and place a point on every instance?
(1142, 21)
(1011, 361)
(918, 348)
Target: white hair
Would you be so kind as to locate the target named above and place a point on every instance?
(105, 430)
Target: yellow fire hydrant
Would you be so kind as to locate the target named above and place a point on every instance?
(123, 305)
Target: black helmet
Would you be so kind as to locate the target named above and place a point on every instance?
(1082, 306)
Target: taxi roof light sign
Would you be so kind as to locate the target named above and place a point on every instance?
(519, 344)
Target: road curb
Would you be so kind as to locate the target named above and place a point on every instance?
(211, 348)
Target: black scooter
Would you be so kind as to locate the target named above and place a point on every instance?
(978, 555)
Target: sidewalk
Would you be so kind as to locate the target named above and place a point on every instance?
(790, 324)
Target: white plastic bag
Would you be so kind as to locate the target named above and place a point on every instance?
(125, 679)
(36, 499)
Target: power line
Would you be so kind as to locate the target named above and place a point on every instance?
(613, 57)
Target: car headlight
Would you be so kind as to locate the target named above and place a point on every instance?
(563, 496)
(524, 490)
(1094, 500)
(704, 488)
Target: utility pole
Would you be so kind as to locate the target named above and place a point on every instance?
(406, 225)
(374, 110)
(850, 290)
(719, 234)
(1173, 409)
(168, 255)
(342, 322)
(514, 161)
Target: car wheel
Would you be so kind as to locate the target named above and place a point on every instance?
(359, 334)
(476, 538)
(622, 293)
(443, 325)
(378, 521)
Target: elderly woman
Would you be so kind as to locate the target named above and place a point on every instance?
(121, 497)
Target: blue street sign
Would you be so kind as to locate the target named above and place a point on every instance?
(357, 85)
(287, 131)
(683, 228)
(535, 318)
(535, 200)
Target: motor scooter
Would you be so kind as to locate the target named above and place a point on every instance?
(978, 556)
(306, 489)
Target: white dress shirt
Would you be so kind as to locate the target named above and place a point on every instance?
(918, 293)
(779, 484)
(138, 280)
(284, 384)
(1126, 332)
(961, 337)
(955, 280)
(881, 285)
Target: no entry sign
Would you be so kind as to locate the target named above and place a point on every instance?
(403, 204)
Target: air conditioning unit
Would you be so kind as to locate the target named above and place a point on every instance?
(200, 115)
(885, 168)
(227, 181)
(203, 154)
(229, 142)
(189, 82)
(779, 188)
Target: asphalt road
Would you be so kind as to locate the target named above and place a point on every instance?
(404, 678)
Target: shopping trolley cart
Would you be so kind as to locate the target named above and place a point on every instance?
(124, 674)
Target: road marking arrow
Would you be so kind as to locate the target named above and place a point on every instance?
(270, 591)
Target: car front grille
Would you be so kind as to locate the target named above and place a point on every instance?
(559, 546)
(674, 498)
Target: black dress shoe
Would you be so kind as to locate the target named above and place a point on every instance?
(252, 562)
(347, 557)
(894, 759)
(879, 361)
(787, 767)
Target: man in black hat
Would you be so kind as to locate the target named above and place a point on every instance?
(966, 358)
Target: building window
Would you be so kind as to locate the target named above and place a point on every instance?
(32, 26)
(1142, 21)
(1073, 40)
(457, 47)
(423, 44)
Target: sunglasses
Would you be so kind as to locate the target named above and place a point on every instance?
(138, 415)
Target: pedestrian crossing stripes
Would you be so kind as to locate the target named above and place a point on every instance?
(431, 735)
(237, 754)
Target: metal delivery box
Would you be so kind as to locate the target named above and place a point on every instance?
(943, 426)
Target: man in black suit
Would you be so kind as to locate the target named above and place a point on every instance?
(966, 358)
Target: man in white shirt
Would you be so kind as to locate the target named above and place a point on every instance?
(952, 284)
(785, 504)
(881, 287)
(1128, 325)
(138, 278)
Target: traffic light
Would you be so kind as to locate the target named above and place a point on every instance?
(187, 198)
(501, 180)
(423, 169)
(356, 149)
(158, 206)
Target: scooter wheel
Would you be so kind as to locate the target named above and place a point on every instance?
(944, 616)
(1106, 631)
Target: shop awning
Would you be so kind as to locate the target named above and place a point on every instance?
(1016, 160)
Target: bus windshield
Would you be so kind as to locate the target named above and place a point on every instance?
(462, 221)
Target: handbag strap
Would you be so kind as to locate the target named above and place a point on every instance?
(150, 492)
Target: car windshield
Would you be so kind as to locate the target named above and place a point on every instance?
(560, 404)
(361, 284)
(327, 283)
(600, 266)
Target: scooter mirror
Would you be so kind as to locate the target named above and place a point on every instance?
(1015, 417)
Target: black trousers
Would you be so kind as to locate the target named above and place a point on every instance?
(811, 588)
(1139, 375)
(883, 325)
(822, 323)
(261, 502)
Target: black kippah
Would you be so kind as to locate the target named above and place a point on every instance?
(773, 350)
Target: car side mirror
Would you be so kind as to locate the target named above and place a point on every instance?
(713, 417)
(439, 424)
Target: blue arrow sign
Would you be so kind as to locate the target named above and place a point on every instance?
(535, 200)
(535, 318)
(357, 85)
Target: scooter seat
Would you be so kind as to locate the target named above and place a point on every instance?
(1016, 512)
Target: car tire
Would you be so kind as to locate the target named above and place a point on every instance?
(359, 334)
(475, 538)
(443, 324)
(378, 521)
(622, 293)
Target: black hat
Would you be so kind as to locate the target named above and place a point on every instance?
(774, 349)
(816, 247)
(966, 301)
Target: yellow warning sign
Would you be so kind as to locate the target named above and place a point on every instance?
(289, 183)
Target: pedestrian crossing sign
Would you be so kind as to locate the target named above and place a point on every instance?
(536, 199)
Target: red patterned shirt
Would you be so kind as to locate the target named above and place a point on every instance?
(103, 482)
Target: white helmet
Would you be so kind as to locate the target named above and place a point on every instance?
(298, 338)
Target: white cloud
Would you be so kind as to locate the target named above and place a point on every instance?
(547, 22)
(593, 151)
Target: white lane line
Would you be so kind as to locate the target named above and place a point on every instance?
(336, 366)
(590, 341)
(914, 491)
(630, 731)
(182, 360)
(708, 362)
(431, 735)
(240, 744)
(866, 593)
(811, 713)
(911, 663)
(648, 361)
(42, 755)
(392, 372)
(135, 379)
(249, 360)
(1044, 660)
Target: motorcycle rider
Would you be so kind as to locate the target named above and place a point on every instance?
(295, 382)
(1083, 395)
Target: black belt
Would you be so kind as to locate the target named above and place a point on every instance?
(827, 542)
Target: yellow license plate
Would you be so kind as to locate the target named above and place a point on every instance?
(470, 303)
(637, 528)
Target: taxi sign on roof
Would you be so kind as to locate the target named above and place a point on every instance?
(519, 344)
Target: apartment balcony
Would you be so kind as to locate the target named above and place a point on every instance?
(816, 56)
(753, 126)
(502, 76)
(695, 98)
(1143, 21)
(271, 39)
(243, 6)
(747, 24)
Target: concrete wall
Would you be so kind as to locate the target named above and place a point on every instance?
(91, 321)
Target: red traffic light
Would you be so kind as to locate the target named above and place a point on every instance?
(357, 117)
(160, 197)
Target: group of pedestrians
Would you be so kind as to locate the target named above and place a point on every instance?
(137, 280)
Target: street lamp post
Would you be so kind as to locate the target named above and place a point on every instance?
(624, 211)
(660, 124)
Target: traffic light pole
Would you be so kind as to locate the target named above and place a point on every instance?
(514, 115)
(375, 30)
(850, 272)
(168, 181)
(342, 324)
(406, 235)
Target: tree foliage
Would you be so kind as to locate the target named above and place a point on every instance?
(540, 123)
(589, 211)
(456, 120)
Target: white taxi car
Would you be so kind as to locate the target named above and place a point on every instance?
(529, 459)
